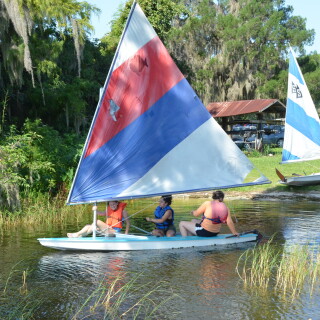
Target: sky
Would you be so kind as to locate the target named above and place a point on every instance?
(308, 9)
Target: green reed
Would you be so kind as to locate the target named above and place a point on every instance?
(126, 296)
(258, 265)
(288, 271)
(25, 305)
(39, 208)
(299, 265)
(128, 299)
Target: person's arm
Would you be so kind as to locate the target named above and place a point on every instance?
(127, 221)
(165, 217)
(200, 210)
(231, 224)
(100, 213)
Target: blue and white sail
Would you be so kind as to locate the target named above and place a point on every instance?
(151, 134)
(302, 126)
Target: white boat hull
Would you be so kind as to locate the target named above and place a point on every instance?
(300, 181)
(132, 243)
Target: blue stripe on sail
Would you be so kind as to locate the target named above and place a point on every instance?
(287, 156)
(294, 69)
(297, 118)
(137, 148)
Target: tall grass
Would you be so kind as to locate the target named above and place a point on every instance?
(126, 296)
(24, 309)
(287, 271)
(299, 265)
(129, 299)
(25, 306)
(255, 266)
(41, 208)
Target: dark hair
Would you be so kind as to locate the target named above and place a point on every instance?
(167, 199)
(218, 195)
(107, 203)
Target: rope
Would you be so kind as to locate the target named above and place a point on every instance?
(147, 232)
(153, 203)
(235, 218)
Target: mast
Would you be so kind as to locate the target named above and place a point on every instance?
(101, 96)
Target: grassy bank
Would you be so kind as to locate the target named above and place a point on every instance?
(37, 208)
(267, 164)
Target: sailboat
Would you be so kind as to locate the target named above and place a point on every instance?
(302, 127)
(151, 135)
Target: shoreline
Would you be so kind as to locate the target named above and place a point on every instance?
(258, 195)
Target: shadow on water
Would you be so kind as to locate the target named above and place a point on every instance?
(205, 279)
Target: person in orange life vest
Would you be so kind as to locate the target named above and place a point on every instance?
(115, 213)
(214, 214)
(163, 218)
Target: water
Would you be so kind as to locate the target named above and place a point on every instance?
(208, 287)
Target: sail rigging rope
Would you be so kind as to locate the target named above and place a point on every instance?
(147, 232)
(153, 203)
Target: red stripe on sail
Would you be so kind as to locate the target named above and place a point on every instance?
(133, 88)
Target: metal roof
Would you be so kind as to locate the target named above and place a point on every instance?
(233, 108)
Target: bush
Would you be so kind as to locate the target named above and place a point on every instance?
(36, 159)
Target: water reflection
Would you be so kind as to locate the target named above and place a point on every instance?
(204, 278)
(80, 266)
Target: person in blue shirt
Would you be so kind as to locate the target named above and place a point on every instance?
(163, 218)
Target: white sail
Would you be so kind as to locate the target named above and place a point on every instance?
(151, 134)
(302, 126)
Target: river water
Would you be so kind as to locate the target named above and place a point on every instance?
(42, 283)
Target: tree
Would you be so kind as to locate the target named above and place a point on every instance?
(20, 17)
(55, 64)
(310, 67)
(160, 14)
(233, 47)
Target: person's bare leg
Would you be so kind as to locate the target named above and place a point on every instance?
(158, 233)
(170, 233)
(187, 228)
(82, 233)
(104, 228)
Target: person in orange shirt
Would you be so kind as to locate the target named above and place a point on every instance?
(214, 213)
(115, 213)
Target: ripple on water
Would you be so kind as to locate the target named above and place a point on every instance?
(205, 279)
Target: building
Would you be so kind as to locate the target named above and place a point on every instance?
(255, 114)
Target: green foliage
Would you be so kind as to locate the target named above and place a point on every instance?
(160, 14)
(227, 49)
(310, 67)
(14, 157)
(276, 87)
(56, 29)
(242, 44)
(62, 152)
(36, 159)
(253, 153)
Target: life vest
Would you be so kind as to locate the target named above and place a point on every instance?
(114, 217)
(159, 213)
(219, 213)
